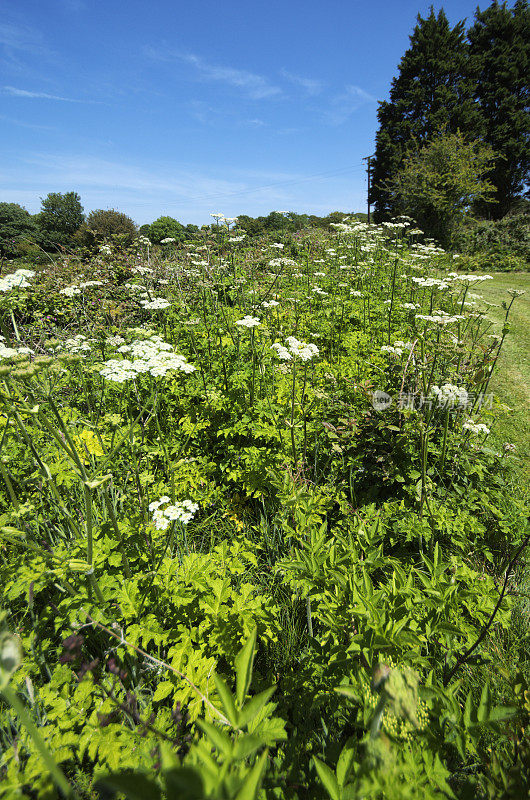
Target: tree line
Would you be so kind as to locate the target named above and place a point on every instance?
(457, 111)
(61, 225)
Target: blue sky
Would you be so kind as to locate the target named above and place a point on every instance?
(192, 108)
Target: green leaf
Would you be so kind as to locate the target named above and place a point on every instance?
(243, 664)
(249, 790)
(220, 740)
(253, 707)
(468, 711)
(134, 785)
(345, 762)
(184, 783)
(348, 691)
(163, 690)
(227, 700)
(328, 779)
(483, 711)
(247, 744)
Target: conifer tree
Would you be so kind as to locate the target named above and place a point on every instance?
(432, 92)
(500, 56)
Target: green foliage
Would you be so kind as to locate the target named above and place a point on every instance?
(60, 217)
(16, 225)
(500, 53)
(440, 181)
(348, 555)
(501, 245)
(432, 91)
(106, 224)
(166, 228)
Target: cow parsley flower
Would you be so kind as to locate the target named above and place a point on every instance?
(295, 349)
(165, 514)
(450, 395)
(475, 428)
(151, 355)
(16, 280)
(70, 291)
(248, 322)
(155, 303)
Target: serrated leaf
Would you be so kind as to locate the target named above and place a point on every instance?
(243, 663)
(220, 740)
(249, 790)
(328, 779)
(252, 708)
(162, 691)
(247, 744)
(227, 700)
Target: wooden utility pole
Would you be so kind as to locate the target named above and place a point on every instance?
(368, 170)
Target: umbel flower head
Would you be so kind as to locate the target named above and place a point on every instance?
(295, 349)
(165, 514)
(16, 280)
(449, 395)
(248, 322)
(151, 355)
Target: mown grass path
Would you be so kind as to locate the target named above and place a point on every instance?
(511, 382)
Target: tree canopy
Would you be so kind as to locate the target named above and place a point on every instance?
(16, 225)
(500, 58)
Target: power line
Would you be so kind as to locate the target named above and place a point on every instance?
(204, 198)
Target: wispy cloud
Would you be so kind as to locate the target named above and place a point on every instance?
(20, 37)
(257, 87)
(210, 115)
(23, 124)
(347, 103)
(14, 92)
(309, 85)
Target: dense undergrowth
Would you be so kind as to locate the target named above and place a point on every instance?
(255, 542)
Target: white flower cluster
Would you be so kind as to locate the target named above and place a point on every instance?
(269, 304)
(144, 240)
(167, 240)
(410, 306)
(77, 345)
(427, 283)
(450, 395)
(9, 352)
(398, 348)
(151, 355)
(355, 293)
(70, 291)
(16, 280)
(105, 250)
(87, 284)
(141, 270)
(282, 262)
(248, 322)
(295, 348)
(181, 512)
(442, 318)
(237, 238)
(475, 427)
(155, 303)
